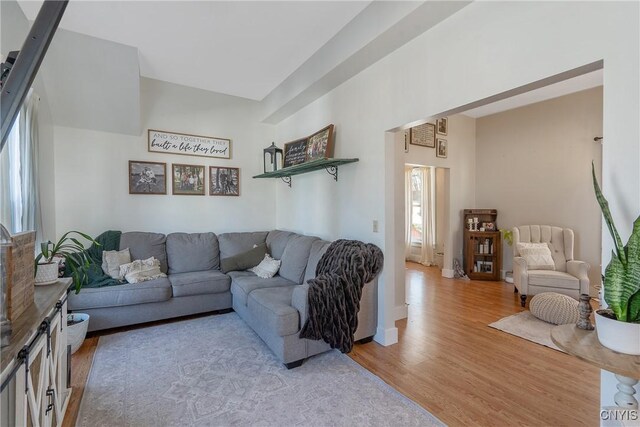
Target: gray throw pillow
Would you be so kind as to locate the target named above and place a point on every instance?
(245, 260)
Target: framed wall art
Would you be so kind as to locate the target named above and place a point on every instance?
(191, 145)
(147, 177)
(424, 135)
(442, 125)
(442, 148)
(295, 152)
(224, 181)
(187, 180)
(320, 144)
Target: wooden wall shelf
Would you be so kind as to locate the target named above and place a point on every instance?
(329, 164)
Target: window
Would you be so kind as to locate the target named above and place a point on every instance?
(416, 207)
(19, 209)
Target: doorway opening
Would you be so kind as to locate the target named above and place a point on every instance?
(426, 210)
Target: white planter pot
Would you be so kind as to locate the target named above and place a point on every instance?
(619, 336)
(76, 333)
(47, 273)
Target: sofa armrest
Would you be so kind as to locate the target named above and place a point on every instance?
(299, 301)
(580, 270)
(520, 274)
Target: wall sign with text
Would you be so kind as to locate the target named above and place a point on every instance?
(190, 145)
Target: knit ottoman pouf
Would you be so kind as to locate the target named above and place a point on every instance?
(554, 308)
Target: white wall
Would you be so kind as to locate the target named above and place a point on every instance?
(91, 168)
(534, 166)
(485, 49)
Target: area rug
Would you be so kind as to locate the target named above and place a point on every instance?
(526, 325)
(215, 371)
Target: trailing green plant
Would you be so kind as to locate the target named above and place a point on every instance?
(507, 235)
(622, 275)
(76, 258)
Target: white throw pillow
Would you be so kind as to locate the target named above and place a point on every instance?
(537, 255)
(267, 268)
(112, 260)
(142, 270)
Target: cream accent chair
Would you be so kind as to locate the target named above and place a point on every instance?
(569, 277)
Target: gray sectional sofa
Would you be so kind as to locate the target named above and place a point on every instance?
(275, 308)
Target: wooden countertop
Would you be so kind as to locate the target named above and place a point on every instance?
(585, 345)
(27, 323)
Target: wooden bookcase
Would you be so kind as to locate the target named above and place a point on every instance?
(482, 250)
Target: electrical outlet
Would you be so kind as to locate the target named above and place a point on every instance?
(375, 225)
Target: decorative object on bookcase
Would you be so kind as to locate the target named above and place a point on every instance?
(424, 135)
(584, 308)
(17, 265)
(272, 158)
(442, 148)
(482, 250)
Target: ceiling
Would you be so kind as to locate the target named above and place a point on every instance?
(565, 87)
(241, 48)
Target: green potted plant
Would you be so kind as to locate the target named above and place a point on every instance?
(618, 327)
(71, 250)
(507, 236)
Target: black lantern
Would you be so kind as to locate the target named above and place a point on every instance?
(272, 158)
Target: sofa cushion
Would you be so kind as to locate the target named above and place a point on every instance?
(277, 242)
(236, 274)
(192, 252)
(115, 296)
(234, 243)
(318, 248)
(199, 283)
(241, 287)
(295, 257)
(272, 308)
(553, 279)
(244, 260)
(143, 245)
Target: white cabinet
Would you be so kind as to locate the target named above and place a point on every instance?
(37, 395)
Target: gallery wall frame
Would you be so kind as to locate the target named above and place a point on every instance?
(224, 181)
(185, 144)
(188, 180)
(147, 177)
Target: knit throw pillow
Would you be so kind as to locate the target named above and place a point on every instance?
(537, 255)
(142, 270)
(112, 260)
(267, 268)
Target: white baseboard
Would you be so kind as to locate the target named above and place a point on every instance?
(386, 337)
(448, 273)
(401, 312)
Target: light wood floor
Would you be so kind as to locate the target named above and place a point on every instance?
(449, 361)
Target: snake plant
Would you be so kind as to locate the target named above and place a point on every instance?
(74, 254)
(622, 275)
